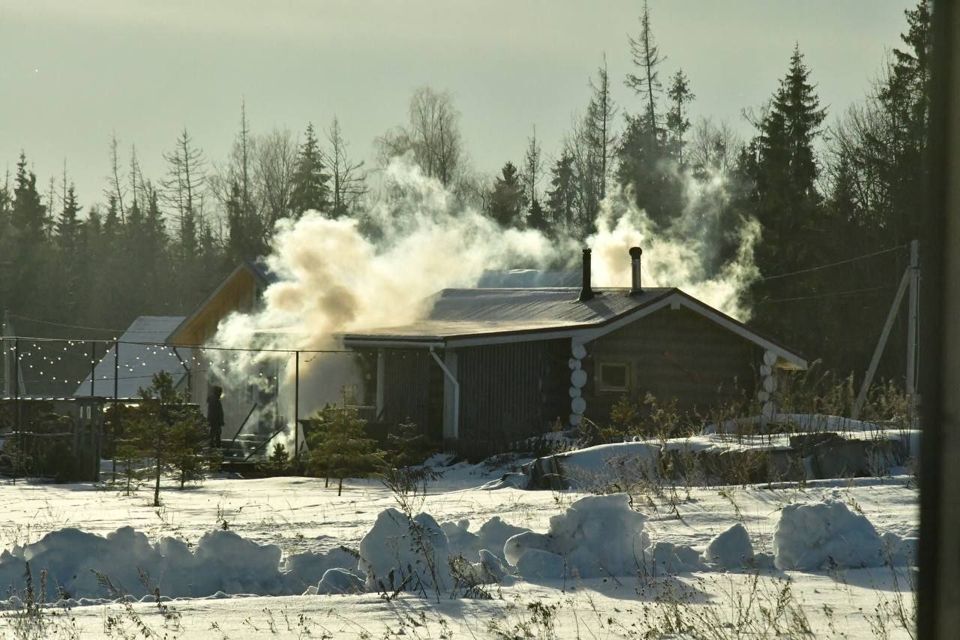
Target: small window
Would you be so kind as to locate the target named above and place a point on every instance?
(613, 376)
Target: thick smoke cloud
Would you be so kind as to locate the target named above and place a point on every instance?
(348, 275)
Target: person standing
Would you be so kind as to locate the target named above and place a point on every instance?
(215, 415)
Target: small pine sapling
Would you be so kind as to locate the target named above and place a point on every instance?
(408, 446)
(340, 448)
(170, 431)
(279, 459)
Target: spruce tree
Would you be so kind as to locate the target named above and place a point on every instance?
(562, 195)
(68, 224)
(677, 121)
(788, 205)
(310, 190)
(506, 199)
(28, 221)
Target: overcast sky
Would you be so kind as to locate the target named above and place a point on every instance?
(74, 71)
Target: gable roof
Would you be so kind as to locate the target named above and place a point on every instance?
(261, 277)
(141, 355)
(474, 317)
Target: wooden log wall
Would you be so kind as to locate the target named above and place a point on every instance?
(673, 353)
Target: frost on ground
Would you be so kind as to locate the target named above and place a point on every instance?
(545, 558)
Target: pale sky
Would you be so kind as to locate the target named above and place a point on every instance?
(74, 71)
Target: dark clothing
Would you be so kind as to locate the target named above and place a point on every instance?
(215, 419)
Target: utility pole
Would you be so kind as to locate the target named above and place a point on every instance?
(909, 285)
(913, 326)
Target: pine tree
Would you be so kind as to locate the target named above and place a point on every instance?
(646, 161)
(28, 223)
(339, 447)
(646, 83)
(169, 431)
(310, 190)
(677, 120)
(506, 199)
(562, 196)
(68, 224)
(532, 170)
(600, 135)
(788, 205)
(28, 215)
(786, 171)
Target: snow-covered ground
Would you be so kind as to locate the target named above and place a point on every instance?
(697, 581)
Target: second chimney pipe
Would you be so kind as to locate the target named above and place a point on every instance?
(586, 292)
(635, 253)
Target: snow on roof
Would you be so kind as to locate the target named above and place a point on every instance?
(527, 278)
(137, 363)
(458, 313)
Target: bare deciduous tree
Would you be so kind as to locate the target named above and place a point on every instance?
(712, 146)
(347, 179)
(432, 136)
(275, 158)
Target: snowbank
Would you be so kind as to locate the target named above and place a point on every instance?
(81, 564)
(731, 549)
(825, 535)
(404, 553)
(596, 466)
(666, 558)
(492, 535)
(598, 536)
(310, 568)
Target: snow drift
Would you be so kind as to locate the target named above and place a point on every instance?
(825, 535)
(125, 562)
(597, 537)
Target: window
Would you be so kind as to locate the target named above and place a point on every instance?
(613, 376)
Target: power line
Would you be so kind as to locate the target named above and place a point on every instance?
(835, 264)
(65, 325)
(834, 294)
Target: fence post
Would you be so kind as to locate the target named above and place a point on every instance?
(93, 368)
(296, 407)
(16, 406)
(116, 410)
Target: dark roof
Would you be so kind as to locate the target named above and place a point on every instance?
(468, 317)
(458, 313)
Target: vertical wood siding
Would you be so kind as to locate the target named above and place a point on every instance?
(509, 392)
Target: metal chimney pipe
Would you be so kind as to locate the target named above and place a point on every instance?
(586, 292)
(635, 253)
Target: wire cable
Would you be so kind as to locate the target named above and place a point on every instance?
(834, 264)
(834, 294)
(65, 325)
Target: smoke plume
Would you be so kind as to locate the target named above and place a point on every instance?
(348, 275)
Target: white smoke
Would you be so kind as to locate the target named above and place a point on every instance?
(333, 278)
(686, 254)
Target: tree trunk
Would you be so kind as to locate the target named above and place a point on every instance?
(340, 488)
